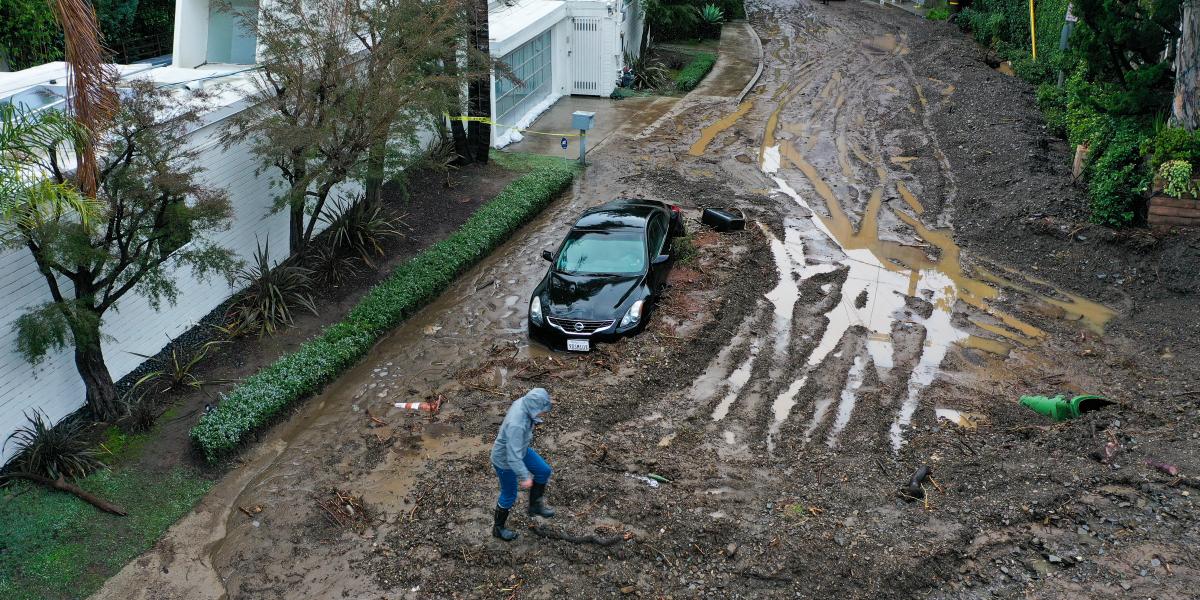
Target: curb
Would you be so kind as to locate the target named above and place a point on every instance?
(761, 63)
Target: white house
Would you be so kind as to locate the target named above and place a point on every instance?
(555, 47)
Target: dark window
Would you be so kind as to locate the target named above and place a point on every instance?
(656, 235)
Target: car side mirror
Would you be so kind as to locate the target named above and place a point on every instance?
(661, 258)
(547, 255)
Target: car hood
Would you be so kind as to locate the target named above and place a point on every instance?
(589, 297)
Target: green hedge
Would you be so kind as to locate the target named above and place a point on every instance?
(261, 397)
(694, 72)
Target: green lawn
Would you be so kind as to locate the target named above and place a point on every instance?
(53, 545)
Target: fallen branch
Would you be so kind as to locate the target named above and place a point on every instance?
(591, 538)
(63, 485)
(764, 576)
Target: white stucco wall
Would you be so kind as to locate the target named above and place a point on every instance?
(132, 325)
(191, 33)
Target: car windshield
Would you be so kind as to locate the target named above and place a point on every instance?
(609, 252)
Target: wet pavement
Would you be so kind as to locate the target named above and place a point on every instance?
(835, 158)
(545, 135)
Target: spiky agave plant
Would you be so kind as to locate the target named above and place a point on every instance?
(49, 451)
(712, 14)
(272, 293)
(648, 72)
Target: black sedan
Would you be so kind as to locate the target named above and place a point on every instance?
(606, 274)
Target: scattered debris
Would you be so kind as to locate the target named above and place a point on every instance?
(913, 490)
(344, 509)
(650, 482)
(253, 510)
(430, 407)
(727, 219)
(1108, 452)
(591, 538)
(1163, 467)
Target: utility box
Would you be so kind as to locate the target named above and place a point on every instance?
(582, 120)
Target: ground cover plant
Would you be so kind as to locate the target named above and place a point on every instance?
(692, 74)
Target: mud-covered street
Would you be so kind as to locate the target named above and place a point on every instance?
(915, 263)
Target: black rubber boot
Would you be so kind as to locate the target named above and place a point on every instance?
(537, 507)
(498, 529)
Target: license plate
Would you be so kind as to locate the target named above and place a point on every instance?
(579, 345)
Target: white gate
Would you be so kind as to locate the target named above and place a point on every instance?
(586, 49)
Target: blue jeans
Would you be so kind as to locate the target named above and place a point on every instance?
(508, 478)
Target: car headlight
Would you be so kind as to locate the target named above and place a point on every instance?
(535, 310)
(633, 316)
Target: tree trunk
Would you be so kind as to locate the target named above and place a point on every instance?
(63, 485)
(480, 88)
(295, 229)
(462, 147)
(1185, 109)
(89, 360)
(376, 161)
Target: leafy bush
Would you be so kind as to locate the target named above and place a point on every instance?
(271, 293)
(1052, 101)
(1177, 174)
(413, 284)
(940, 13)
(691, 75)
(672, 20)
(43, 449)
(1172, 143)
(1116, 175)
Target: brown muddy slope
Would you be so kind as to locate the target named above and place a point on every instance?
(786, 390)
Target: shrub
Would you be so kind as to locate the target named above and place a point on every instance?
(330, 266)
(271, 293)
(1172, 143)
(140, 410)
(360, 229)
(43, 449)
(175, 371)
(1116, 174)
(940, 13)
(1177, 175)
(262, 396)
(648, 73)
(691, 75)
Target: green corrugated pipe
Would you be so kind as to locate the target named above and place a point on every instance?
(1061, 409)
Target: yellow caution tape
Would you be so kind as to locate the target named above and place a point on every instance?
(488, 121)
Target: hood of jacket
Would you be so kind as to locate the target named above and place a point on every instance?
(533, 404)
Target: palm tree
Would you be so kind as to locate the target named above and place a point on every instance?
(26, 191)
(91, 99)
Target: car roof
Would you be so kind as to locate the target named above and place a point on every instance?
(624, 212)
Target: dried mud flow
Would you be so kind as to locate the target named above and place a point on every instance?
(911, 267)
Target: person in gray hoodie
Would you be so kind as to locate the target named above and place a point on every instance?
(517, 464)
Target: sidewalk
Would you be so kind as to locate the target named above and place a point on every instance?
(737, 62)
(629, 115)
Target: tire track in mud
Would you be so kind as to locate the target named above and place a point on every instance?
(864, 187)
